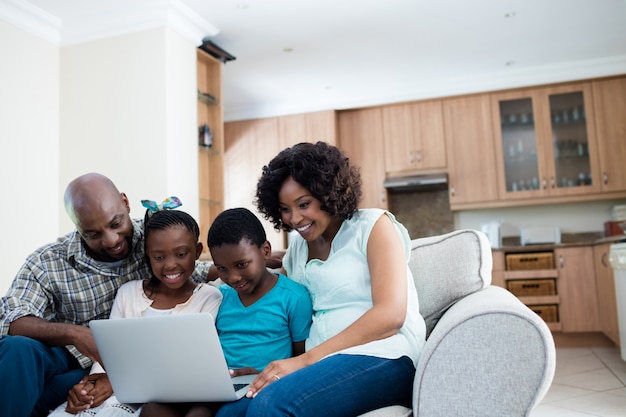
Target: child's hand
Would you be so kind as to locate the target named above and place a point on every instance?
(91, 391)
(243, 371)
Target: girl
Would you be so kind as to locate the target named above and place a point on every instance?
(172, 247)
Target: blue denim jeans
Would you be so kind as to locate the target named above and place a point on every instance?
(34, 377)
(338, 386)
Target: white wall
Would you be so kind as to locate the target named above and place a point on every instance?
(129, 111)
(29, 138)
(570, 218)
(125, 106)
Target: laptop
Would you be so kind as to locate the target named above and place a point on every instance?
(173, 358)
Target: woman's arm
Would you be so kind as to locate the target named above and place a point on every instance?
(387, 266)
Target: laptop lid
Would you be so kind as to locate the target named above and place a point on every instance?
(172, 358)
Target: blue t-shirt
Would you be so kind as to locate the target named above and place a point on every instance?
(264, 331)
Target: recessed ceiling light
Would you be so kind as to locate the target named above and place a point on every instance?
(287, 49)
(509, 63)
(242, 6)
(509, 14)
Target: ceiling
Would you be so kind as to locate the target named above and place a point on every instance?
(295, 56)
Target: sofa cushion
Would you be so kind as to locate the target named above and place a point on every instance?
(448, 267)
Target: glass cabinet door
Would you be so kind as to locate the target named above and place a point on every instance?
(519, 145)
(568, 120)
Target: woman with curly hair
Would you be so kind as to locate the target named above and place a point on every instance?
(367, 333)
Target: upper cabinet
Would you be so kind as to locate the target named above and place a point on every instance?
(307, 127)
(413, 134)
(359, 137)
(545, 142)
(470, 152)
(210, 139)
(609, 98)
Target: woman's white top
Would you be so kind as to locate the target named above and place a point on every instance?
(341, 290)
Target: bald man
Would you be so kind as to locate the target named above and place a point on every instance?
(45, 346)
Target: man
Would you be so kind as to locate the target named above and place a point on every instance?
(45, 346)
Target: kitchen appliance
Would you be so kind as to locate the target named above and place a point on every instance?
(538, 235)
(493, 232)
(417, 182)
(617, 259)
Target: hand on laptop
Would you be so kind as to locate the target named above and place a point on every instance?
(91, 391)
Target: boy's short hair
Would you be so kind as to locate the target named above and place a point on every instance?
(233, 225)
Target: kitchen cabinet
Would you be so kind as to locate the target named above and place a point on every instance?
(533, 278)
(359, 137)
(470, 152)
(609, 98)
(558, 284)
(607, 303)
(579, 309)
(211, 140)
(413, 137)
(249, 145)
(307, 127)
(545, 142)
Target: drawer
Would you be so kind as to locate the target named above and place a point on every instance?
(548, 312)
(525, 261)
(530, 287)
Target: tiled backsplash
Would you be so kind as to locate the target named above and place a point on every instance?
(423, 213)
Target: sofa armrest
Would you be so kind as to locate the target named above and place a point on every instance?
(489, 355)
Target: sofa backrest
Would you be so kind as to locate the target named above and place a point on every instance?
(449, 267)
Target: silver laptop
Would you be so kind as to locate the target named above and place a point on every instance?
(174, 358)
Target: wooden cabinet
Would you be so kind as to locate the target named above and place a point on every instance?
(497, 273)
(211, 127)
(359, 137)
(579, 309)
(558, 284)
(470, 151)
(609, 98)
(307, 127)
(607, 303)
(249, 145)
(545, 142)
(413, 137)
(538, 286)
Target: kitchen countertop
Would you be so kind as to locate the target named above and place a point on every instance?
(512, 243)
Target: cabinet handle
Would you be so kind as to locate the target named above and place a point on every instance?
(383, 196)
(605, 178)
(411, 158)
(552, 182)
(451, 191)
(544, 183)
(561, 261)
(418, 156)
(603, 260)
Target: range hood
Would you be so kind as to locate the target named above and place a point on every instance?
(422, 182)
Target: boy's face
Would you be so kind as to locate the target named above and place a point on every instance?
(242, 266)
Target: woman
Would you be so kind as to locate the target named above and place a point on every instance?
(367, 333)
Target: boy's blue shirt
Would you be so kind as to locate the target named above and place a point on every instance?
(254, 336)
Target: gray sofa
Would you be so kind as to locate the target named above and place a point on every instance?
(486, 353)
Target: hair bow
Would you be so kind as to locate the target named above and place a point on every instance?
(167, 204)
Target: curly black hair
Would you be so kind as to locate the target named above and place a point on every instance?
(233, 225)
(322, 169)
(162, 220)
